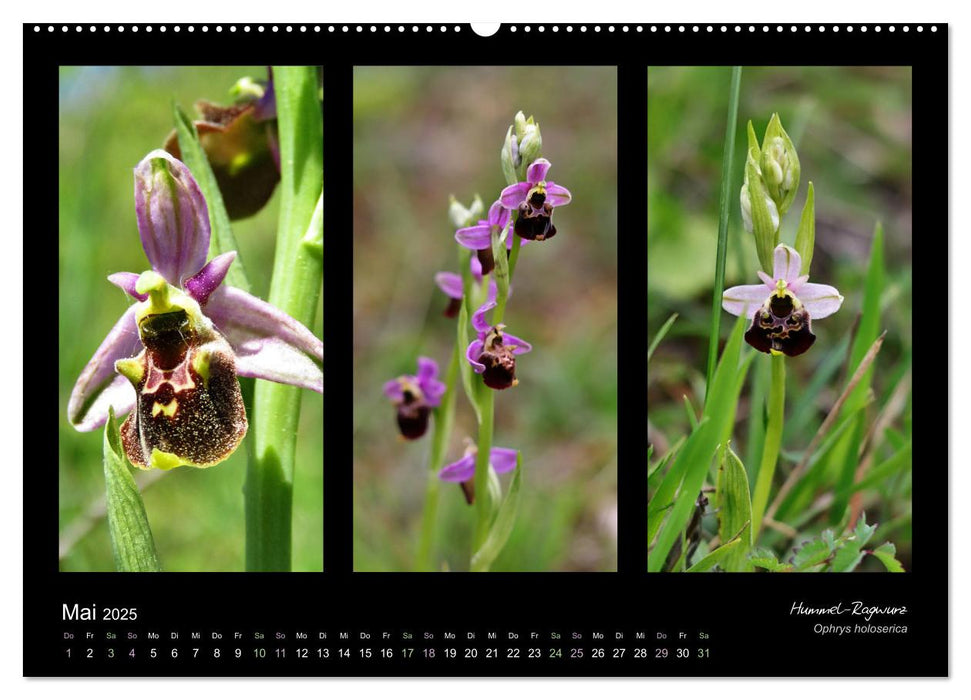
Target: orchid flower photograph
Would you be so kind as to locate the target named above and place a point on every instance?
(780, 319)
(191, 254)
(485, 319)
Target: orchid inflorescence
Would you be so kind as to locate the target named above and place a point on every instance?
(521, 213)
(783, 307)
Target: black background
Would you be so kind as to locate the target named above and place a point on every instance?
(747, 616)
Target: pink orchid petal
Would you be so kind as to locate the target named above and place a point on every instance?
(796, 284)
(557, 195)
(462, 470)
(537, 171)
(276, 361)
(450, 283)
(520, 346)
(512, 196)
(769, 282)
(472, 354)
(392, 389)
(503, 459)
(498, 215)
(786, 263)
(744, 299)
(241, 317)
(98, 387)
(474, 237)
(475, 265)
(202, 284)
(820, 300)
(173, 219)
(478, 318)
(126, 281)
(427, 369)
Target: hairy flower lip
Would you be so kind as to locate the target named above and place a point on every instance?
(173, 222)
(498, 346)
(414, 395)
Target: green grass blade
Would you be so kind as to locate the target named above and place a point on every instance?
(222, 239)
(725, 199)
(131, 537)
(503, 524)
(660, 335)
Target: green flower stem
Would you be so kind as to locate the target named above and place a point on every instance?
(724, 202)
(773, 440)
(295, 288)
(444, 418)
(483, 508)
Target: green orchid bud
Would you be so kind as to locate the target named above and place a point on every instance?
(780, 165)
(477, 210)
(530, 148)
(520, 122)
(462, 216)
(509, 157)
(759, 212)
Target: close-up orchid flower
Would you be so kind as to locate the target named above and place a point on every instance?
(534, 200)
(265, 343)
(783, 306)
(198, 368)
(493, 353)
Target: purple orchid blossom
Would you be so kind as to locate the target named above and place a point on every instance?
(479, 237)
(493, 353)
(451, 284)
(462, 472)
(173, 221)
(782, 308)
(535, 200)
(414, 396)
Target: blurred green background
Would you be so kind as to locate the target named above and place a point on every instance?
(110, 118)
(421, 134)
(852, 128)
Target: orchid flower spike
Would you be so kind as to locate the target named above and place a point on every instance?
(535, 200)
(414, 396)
(493, 353)
(782, 308)
(177, 351)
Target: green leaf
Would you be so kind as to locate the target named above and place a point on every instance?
(654, 473)
(222, 239)
(730, 548)
(687, 474)
(886, 470)
(887, 554)
(846, 456)
(763, 558)
(660, 335)
(806, 235)
(850, 552)
(814, 553)
(690, 410)
(734, 507)
(502, 525)
(131, 537)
